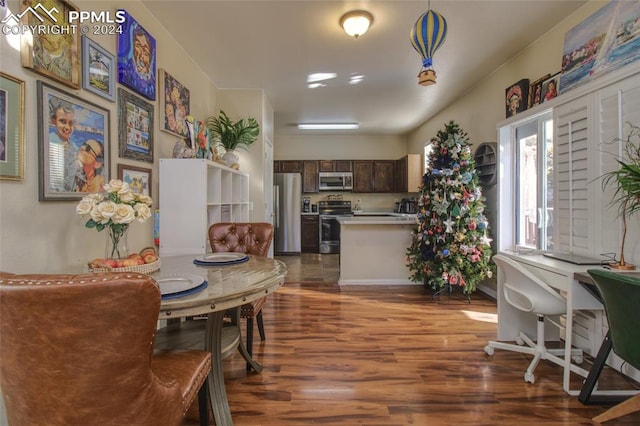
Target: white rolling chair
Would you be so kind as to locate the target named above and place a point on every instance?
(526, 292)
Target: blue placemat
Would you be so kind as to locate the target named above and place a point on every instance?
(185, 292)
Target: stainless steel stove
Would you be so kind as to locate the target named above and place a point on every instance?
(329, 211)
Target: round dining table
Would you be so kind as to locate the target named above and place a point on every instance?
(218, 287)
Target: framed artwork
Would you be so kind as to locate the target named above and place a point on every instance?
(550, 88)
(135, 127)
(605, 41)
(137, 58)
(535, 91)
(517, 97)
(11, 127)
(54, 54)
(174, 102)
(138, 178)
(98, 69)
(73, 137)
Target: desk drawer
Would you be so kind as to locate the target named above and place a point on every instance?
(586, 334)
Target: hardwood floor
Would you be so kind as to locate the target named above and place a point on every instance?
(392, 355)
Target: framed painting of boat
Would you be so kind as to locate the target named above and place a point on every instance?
(606, 41)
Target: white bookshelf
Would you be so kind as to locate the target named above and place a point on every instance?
(194, 194)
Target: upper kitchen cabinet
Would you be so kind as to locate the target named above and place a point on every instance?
(408, 173)
(310, 176)
(335, 166)
(289, 166)
(373, 176)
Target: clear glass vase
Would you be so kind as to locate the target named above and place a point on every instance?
(117, 246)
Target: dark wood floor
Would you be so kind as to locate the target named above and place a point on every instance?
(392, 356)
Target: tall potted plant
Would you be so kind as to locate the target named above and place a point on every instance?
(626, 181)
(232, 135)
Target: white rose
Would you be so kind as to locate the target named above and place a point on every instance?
(103, 211)
(127, 197)
(117, 186)
(123, 213)
(85, 206)
(143, 212)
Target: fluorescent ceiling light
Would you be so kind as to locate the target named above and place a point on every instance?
(320, 76)
(328, 126)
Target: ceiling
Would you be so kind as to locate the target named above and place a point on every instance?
(274, 45)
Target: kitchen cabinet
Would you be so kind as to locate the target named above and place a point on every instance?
(408, 173)
(310, 176)
(362, 176)
(373, 176)
(383, 176)
(310, 233)
(291, 166)
(194, 194)
(335, 166)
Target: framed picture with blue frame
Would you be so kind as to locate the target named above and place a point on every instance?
(137, 58)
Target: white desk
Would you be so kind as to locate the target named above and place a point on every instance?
(559, 275)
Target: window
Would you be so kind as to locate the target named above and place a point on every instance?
(534, 183)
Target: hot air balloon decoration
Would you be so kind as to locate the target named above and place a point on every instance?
(427, 35)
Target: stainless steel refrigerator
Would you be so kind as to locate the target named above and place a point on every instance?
(287, 204)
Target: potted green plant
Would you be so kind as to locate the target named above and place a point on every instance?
(232, 135)
(626, 181)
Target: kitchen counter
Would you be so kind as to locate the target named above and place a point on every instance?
(382, 213)
(373, 249)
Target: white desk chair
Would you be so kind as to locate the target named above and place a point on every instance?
(528, 293)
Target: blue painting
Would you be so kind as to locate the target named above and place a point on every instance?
(606, 41)
(137, 58)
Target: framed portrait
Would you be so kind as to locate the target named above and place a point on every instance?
(135, 127)
(535, 91)
(137, 58)
(174, 104)
(11, 127)
(138, 178)
(73, 139)
(54, 53)
(517, 97)
(98, 69)
(550, 88)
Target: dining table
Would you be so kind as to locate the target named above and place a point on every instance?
(210, 285)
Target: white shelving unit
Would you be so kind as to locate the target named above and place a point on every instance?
(194, 194)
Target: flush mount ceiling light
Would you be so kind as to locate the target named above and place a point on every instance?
(356, 22)
(328, 126)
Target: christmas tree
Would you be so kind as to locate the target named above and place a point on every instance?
(450, 245)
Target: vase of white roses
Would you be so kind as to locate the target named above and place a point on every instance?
(114, 210)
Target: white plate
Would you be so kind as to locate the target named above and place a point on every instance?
(177, 283)
(225, 257)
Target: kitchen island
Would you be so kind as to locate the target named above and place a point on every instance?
(373, 249)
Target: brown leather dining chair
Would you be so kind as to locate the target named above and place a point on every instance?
(249, 238)
(79, 350)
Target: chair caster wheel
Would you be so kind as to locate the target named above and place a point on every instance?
(489, 350)
(519, 341)
(529, 377)
(578, 359)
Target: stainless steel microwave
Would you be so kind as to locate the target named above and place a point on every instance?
(335, 181)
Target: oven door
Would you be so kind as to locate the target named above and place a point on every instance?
(329, 234)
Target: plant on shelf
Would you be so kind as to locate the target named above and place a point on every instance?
(232, 135)
(626, 181)
(450, 246)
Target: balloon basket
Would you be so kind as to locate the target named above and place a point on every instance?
(427, 77)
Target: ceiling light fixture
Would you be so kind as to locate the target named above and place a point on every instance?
(328, 126)
(356, 22)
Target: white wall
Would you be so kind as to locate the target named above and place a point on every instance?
(48, 236)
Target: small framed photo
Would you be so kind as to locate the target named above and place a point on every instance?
(73, 135)
(535, 91)
(11, 127)
(138, 178)
(137, 58)
(517, 97)
(54, 54)
(174, 104)
(550, 88)
(98, 69)
(135, 127)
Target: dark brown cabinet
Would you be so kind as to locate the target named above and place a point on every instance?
(362, 176)
(408, 173)
(310, 176)
(383, 176)
(290, 166)
(310, 234)
(335, 166)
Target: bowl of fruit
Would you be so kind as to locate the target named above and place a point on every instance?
(144, 262)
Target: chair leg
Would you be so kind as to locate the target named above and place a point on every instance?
(629, 406)
(203, 404)
(250, 335)
(260, 325)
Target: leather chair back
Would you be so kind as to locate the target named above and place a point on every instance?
(249, 238)
(77, 349)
